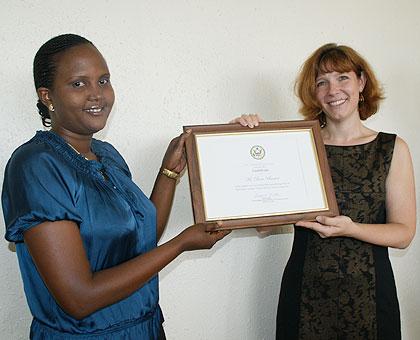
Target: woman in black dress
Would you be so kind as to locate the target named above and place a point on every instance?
(338, 282)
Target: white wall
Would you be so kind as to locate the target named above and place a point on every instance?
(195, 62)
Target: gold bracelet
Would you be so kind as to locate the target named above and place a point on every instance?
(169, 173)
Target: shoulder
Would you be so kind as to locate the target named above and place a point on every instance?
(33, 152)
(401, 162)
(37, 163)
(385, 145)
(401, 149)
(398, 144)
(386, 137)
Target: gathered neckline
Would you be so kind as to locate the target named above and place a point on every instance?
(59, 144)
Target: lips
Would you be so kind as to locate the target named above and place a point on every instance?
(337, 102)
(94, 110)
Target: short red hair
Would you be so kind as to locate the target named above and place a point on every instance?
(338, 58)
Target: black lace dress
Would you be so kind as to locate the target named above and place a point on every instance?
(343, 288)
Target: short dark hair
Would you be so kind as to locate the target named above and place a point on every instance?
(44, 67)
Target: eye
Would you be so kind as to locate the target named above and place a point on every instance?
(77, 84)
(343, 77)
(104, 81)
(320, 83)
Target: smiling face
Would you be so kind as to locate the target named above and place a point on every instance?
(81, 94)
(338, 94)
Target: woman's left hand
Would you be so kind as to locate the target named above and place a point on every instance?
(174, 158)
(249, 120)
(331, 226)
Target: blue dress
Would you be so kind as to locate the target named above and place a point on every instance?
(46, 180)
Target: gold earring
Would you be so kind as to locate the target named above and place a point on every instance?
(321, 117)
(361, 98)
(51, 107)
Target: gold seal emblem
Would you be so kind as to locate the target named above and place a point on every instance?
(257, 152)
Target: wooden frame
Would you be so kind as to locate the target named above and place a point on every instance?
(229, 140)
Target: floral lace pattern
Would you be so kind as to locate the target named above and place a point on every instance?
(338, 293)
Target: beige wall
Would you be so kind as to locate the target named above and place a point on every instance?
(195, 62)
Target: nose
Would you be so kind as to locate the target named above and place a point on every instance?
(95, 93)
(333, 87)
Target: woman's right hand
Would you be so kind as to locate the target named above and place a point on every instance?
(249, 120)
(201, 236)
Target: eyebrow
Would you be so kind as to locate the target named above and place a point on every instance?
(82, 76)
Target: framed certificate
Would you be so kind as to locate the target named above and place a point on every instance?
(276, 173)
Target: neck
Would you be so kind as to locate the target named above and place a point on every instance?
(81, 143)
(347, 132)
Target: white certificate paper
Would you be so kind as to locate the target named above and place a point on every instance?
(259, 173)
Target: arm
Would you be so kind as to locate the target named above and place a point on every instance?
(400, 209)
(59, 255)
(164, 188)
(162, 197)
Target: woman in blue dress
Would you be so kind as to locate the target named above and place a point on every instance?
(85, 234)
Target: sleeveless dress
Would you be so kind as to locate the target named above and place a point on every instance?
(343, 288)
(46, 180)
